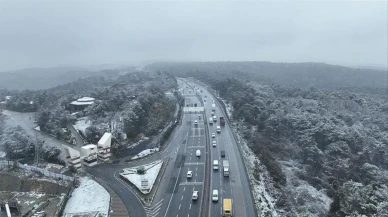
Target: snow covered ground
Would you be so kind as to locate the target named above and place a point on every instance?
(142, 139)
(88, 197)
(151, 172)
(82, 123)
(145, 153)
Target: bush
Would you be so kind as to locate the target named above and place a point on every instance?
(141, 171)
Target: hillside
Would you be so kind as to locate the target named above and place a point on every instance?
(318, 75)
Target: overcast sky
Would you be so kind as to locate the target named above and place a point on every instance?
(52, 33)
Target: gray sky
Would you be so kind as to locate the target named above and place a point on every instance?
(52, 33)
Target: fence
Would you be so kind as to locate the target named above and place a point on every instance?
(9, 164)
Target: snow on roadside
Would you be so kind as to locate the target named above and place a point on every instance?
(88, 197)
(2, 154)
(264, 203)
(37, 128)
(151, 172)
(82, 123)
(142, 139)
(145, 153)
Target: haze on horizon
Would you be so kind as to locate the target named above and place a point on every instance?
(48, 33)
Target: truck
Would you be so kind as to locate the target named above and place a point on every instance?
(227, 207)
(222, 121)
(213, 107)
(225, 164)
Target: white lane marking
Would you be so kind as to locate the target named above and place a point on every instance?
(179, 206)
(190, 206)
(182, 197)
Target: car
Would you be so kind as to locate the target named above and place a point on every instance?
(222, 153)
(195, 122)
(214, 118)
(195, 195)
(198, 153)
(199, 117)
(189, 174)
(215, 195)
(213, 135)
(214, 143)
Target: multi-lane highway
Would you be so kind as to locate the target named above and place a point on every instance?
(173, 197)
(236, 186)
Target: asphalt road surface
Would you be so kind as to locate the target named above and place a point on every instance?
(236, 186)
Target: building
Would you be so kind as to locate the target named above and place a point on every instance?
(89, 155)
(104, 147)
(73, 157)
(81, 103)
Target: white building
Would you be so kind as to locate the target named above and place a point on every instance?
(73, 157)
(89, 155)
(104, 147)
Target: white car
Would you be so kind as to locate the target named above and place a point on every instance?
(215, 195)
(214, 143)
(213, 135)
(189, 174)
(195, 195)
(196, 122)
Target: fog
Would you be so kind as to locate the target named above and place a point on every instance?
(45, 34)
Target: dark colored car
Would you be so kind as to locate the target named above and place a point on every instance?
(222, 153)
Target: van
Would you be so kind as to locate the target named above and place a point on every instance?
(198, 153)
(215, 164)
(218, 129)
(215, 195)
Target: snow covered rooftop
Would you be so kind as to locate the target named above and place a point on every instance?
(105, 140)
(71, 152)
(7, 97)
(83, 101)
(90, 146)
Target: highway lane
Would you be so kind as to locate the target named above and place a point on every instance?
(179, 194)
(237, 185)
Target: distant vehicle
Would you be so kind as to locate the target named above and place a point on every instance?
(222, 153)
(212, 114)
(213, 106)
(196, 122)
(214, 143)
(218, 129)
(199, 117)
(215, 195)
(215, 118)
(222, 121)
(227, 207)
(215, 165)
(198, 153)
(210, 120)
(225, 165)
(189, 174)
(213, 135)
(195, 195)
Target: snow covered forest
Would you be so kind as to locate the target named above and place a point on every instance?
(131, 105)
(322, 134)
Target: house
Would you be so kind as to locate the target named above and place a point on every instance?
(73, 157)
(104, 147)
(81, 103)
(89, 155)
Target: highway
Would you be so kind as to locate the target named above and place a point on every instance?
(173, 197)
(236, 186)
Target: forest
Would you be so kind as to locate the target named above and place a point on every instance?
(130, 106)
(324, 146)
